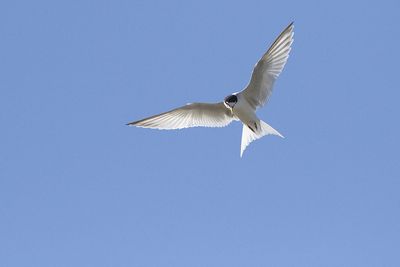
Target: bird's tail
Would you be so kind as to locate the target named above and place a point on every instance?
(251, 134)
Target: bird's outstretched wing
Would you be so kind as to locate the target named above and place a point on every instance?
(191, 115)
(268, 68)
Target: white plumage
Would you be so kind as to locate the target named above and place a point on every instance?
(238, 106)
(191, 115)
(268, 68)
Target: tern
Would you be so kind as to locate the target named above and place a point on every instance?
(239, 106)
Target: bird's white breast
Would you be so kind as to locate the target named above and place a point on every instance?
(244, 111)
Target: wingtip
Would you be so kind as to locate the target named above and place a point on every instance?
(279, 134)
(290, 26)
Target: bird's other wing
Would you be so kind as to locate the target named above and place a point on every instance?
(191, 115)
(268, 68)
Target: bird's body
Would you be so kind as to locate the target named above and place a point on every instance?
(238, 106)
(244, 112)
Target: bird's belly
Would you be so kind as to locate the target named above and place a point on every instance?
(245, 113)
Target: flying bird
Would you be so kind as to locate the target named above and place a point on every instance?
(240, 106)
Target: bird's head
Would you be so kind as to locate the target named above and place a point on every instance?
(230, 101)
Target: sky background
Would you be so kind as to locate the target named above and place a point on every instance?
(79, 188)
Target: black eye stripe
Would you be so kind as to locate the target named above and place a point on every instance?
(231, 99)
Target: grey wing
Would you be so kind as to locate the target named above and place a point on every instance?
(191, 115)
(268, 68)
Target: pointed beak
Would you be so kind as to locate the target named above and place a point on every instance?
(228, 106)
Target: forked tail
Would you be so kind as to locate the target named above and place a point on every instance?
(249, 135)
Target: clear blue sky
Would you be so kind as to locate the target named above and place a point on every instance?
(79, 188)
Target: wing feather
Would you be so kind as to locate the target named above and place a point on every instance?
(190, 115)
